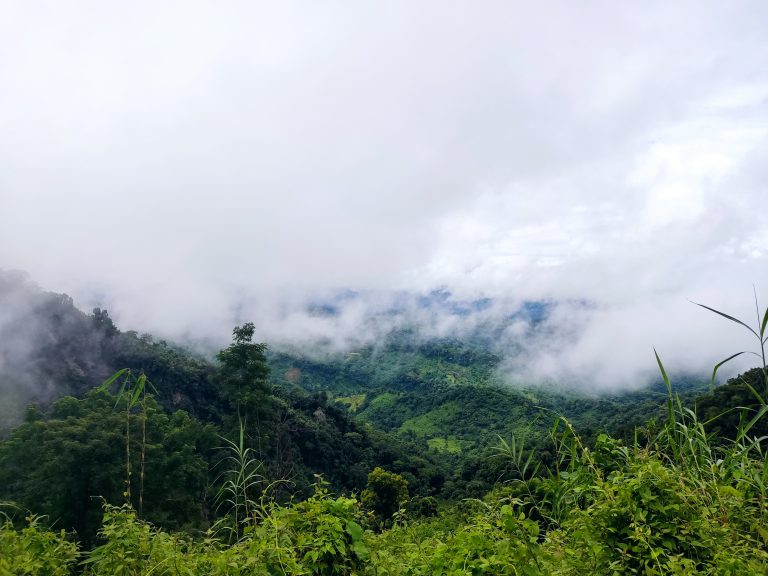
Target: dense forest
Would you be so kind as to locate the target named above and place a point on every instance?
(123, 454)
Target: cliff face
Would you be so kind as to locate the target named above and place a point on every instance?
(48, 348)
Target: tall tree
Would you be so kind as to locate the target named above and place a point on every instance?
(244, 379)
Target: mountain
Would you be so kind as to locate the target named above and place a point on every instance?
(54, 355)
(447, 393)
(49, 349)
(427, 409)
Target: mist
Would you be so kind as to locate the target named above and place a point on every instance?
(191, 166)
(47, 347)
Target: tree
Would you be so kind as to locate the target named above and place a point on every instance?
(243, 378)
(64, 465)
(385, 494)
(103, 322)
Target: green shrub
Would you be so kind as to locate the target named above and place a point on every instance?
(35, 551)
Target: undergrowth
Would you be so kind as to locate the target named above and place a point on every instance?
(678, 503)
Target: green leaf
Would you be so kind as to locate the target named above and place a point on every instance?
(717, 366)
(765, 322)
(354, 530)
(108, 382)
(751, 423)
(754, 392)
(668, 385)
(361, 550)
(138, 389)
(663, 372)
(120, 392)
(724, 315)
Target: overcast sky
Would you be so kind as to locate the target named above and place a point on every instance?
(173, 159)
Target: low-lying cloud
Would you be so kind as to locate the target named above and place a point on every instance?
(194, 165)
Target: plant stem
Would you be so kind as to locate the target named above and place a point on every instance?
(143, 448)
(128, 451)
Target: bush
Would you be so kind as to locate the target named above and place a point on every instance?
(35, 551)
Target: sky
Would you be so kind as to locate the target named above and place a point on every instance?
(194, 164)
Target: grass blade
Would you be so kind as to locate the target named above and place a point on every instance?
(108, 382)
(138, 389)
(751, 423)
(754, 392)
(120, 392)
(663, 372)
(724, 315)
(765, 322)
(717, 366)
(668, 384)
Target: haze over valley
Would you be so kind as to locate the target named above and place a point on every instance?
(232, 165)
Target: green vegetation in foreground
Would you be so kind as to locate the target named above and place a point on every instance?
(679, 503)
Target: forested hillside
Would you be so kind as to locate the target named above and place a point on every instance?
(51, 349)
(124, 454)
(450, 395)
(75, 433)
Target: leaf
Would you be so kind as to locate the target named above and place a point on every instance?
(754, 392)
(354, 530)
(108, 382)
(721, 414)
(717, 366)
(765, 322)
(751, 423)
(138, 389)
(663, 372)
(724, 315)
(120, 392)
(668, 384)
(360, 550)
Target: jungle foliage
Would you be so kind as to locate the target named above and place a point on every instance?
(677, 503)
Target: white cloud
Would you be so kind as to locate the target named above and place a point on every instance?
(174, 161)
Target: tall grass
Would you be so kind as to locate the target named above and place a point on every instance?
(133, 392)
(241, 480)
(759, 332)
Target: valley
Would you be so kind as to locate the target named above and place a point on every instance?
(155, 446)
